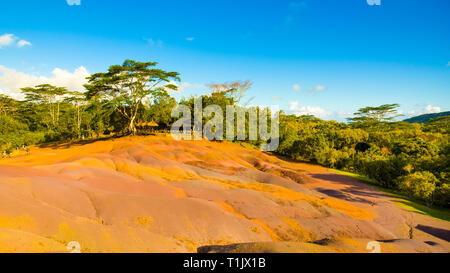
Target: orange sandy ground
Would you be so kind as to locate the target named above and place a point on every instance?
(154, 194)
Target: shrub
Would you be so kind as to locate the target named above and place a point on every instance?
(442, 195)
(10, 125)
(419, 185)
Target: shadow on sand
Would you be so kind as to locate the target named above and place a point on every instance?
(61, 145)
(436, 232)
(354, 186)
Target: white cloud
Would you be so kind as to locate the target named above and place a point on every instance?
(10, 39)
(73, 2)
(186, 85)
(190, 39)
(308, 110)
(312, 91)
(11, 80)
(23, 43)
(432, 109)
(448, 64)
(7, 39)
(424, 109)
(276, 98)
(296, 88)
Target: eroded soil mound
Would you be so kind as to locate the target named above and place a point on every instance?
(154, 194)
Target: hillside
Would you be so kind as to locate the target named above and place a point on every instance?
(154, 194)
(427, 117)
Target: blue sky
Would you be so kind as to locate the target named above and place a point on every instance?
(325, 57)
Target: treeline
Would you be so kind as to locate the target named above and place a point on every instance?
(412, 158)
(114, 103)
(122, 101)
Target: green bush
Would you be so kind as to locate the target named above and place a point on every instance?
(10, 125)
(442, 195)
(420, 185)
(18, 139)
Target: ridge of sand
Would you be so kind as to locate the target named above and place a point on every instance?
(154, 194)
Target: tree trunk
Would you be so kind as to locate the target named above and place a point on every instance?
(133, 118)
(52, 115)
(57, 115)
(79, 122)
(132, 128)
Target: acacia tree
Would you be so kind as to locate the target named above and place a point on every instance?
(376, 115)
(127, 85)
(234, 90)
(48, 96)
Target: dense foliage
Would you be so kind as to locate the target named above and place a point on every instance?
(412, 158)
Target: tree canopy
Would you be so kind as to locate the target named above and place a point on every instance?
(233, 90)
(374, 115)
(127, 85)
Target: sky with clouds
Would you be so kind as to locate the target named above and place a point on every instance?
(326, 58)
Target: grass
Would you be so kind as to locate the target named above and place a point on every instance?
(401, 200)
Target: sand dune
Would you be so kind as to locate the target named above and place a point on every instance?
(154, 194)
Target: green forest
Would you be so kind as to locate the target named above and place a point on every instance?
(407, 157)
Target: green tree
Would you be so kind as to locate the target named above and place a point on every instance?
(127, 85)
(161, 108)
(49, 97)
(442, 195)
(233, 90)
(98, 115)
(7, 105)
(79, 103)
(375, 115)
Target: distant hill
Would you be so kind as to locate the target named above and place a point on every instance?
(427, 117)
